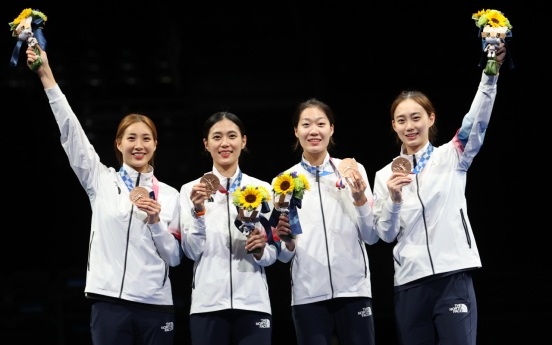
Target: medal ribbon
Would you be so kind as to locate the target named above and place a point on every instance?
(423, 161)
(312, 169)
(236, 184)
(128, 183)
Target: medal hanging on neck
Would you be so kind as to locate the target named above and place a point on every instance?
(138, 192)
(402, 165)
(233, 187)
(314, 169)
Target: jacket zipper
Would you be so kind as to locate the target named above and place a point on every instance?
(266, 286)
(291, 269)
(465, 227)
(128, 239)
(166, 274)
(325, 233)
(89, 250)
(363, 259)
(195, 270)
(229, 242)
(423, 216)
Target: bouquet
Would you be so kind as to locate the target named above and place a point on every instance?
(251, 201)
(27, 27)
(289, 188)
(494, 28)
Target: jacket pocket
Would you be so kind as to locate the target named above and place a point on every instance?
(89, 250)
(363, 259)
(465, 227)
(195, 270)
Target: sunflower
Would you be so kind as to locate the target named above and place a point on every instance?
(284, 184)
(251, 198)
(305, 181)
(479, 14)
(496, 19)
(24, 14)
(265, 193)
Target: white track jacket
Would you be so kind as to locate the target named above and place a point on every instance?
(330, 258)
(224, 276)
(128, 258)
(444, 242)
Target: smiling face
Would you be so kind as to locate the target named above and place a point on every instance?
(137, 146)
(225, 143)
(411, 122)
(314, 131)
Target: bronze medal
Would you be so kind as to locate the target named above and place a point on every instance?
(211, 182)
(401, 165)
(347, 166)
(138, 193)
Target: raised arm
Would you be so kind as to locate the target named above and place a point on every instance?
(193, 228)
(362, 194)
(165, 233)
(469, 138)
(386, 211)
(83, 159)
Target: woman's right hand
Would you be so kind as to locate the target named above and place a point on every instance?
(198, 196)
(283, 230)
(395, 184)
(44, 71)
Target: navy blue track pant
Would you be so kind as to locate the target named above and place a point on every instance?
(231, 326)
(442, 311)
(350, 316)
(119, 324)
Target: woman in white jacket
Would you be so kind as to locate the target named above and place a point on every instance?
(230, 303)
(329, 270)
(424, 209)
(131, 245)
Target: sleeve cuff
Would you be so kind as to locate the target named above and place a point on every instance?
(264, 260)
(364, 210)
(393, 207)
(54, 93)
(488, 80)
(156, 228)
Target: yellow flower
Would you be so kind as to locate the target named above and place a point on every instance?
(24, 14)
(305, 181)
(496, 19)
(250, 198)
(284, 184)
(479, 13)
(264, 191)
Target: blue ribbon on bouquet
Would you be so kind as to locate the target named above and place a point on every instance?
(37, 33)
(264, 222)
(293, 215)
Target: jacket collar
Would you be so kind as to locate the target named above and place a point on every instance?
(146, 179)
(224, 180)
(418, 154)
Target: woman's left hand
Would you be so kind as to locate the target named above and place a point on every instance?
(358, 187)
(151, 207)
(501, 53)
(254, 241)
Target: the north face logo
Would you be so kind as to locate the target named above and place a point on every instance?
(265, 323)
(365, 312)
(459, 308)
(169, 327)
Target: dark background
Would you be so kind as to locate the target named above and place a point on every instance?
(181, 63)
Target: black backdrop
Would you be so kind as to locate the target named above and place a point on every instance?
(180, 64)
